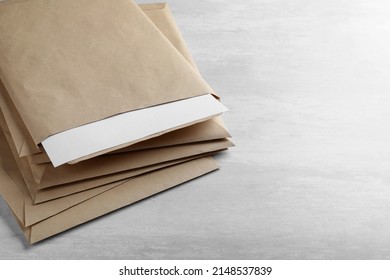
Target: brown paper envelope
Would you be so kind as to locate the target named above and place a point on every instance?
(118, 197)
(111, 164)
(205, 131)
(161, 16)
(108, 164)
(84, 185)
(35, 213)
(60, 59)
(146, 146)
(80, 186)
(209, 130)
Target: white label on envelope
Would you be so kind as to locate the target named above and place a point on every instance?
(129, 128)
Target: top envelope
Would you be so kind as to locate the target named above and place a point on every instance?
(66, 64)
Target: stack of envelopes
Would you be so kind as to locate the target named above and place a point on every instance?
(101, 106)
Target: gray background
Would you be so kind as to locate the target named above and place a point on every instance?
(308, 86)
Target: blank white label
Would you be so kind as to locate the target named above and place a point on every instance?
(129, 128)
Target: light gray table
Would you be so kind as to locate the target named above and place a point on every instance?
(307, 83)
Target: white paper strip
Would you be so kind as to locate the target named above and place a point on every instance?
(129, 128)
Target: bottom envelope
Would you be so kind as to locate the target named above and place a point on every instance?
(127, 193)
(33, 213)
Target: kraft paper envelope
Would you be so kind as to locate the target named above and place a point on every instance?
(49, 93)
(86, 185)
(205, 131)
(66, 188)
(33, 213)
(55, 176)
(117, 163)
(99, 36)
(162, 18)
(109, 164)
(29, 208)
(72, 188)
(90, 140)
(209, 130)
(121, 162)
(112, 163)
(113, 199)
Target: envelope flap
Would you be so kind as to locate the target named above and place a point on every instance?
(67, 63)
